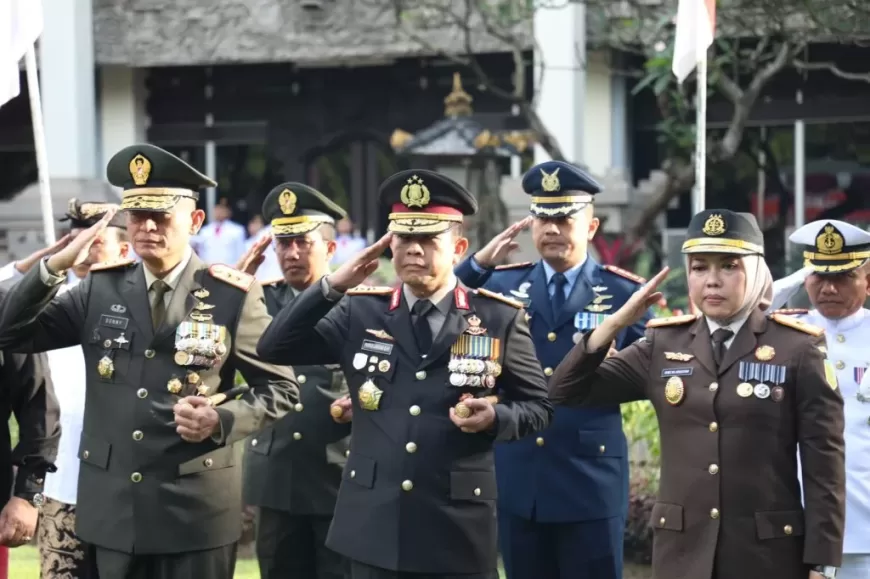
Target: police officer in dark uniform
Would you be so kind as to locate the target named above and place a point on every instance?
(563, 493)
(293, 468)
(159, 494)
(418, 493)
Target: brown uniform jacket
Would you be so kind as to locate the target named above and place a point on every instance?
(729, 502)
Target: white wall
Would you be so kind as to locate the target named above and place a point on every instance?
(598, 115)
(122, 110)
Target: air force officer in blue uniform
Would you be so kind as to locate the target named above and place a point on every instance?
(562, 492)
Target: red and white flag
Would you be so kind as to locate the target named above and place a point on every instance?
(696, 26)
(20, 26)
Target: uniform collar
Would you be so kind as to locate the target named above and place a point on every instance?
(571, 275)
(171, 279)
(439, 298)
(850, 322)
(733, 326)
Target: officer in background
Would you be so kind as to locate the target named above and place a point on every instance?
(293, 468)
(159, 495)
(562, 494)
(418, 492)
(837, 254)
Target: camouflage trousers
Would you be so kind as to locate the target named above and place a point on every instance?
(61, 554)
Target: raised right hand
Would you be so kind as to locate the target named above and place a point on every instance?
(253, 258)
(24, 265)
(501, 245)
(642, 300)
(76, 251)
(355, 270)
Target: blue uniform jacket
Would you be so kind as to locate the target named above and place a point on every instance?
(576, 469)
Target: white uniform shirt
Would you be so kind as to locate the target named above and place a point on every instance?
(221, 243)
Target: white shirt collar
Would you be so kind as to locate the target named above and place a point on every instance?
(171, 278)
(733, 326)
(850, 322)
(437, 298)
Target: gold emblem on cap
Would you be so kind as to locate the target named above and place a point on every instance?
(674, 390)
(287, 201)
(714, 225)
(765, 353)
(829, 242)
(140, 169)
(550, 182)
(415, 193)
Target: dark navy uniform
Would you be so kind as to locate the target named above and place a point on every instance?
(293, 468)
(563, 492)
(418, 494)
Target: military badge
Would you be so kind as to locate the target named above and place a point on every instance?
(474, 327)
(777, 393)
(200, 317)
(678, 356)
(201, 293)
(202, 389)
(765, 353)
(121, 340)
(599, 288)
(762, 391)
(714, 225)
(369, 395)
(674, 390)
(140, 169)
(202, 306)
(287, 202)
(380, 334)
(106, 367)
(415, 193)
(174, 386)
(359, 361)
(745, 389)
(384, 366)
(830, 242)
(118, 308)
(550, 181)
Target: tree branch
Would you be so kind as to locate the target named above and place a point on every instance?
(833, 69)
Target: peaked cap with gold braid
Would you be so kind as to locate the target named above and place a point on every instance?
(559, 189)
(424, 202)
(832, 246)
(724, 231)
(294, 209)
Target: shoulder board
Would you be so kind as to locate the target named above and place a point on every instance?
(792, 311)
(112, 264)
(499, 297)
(625, 273)
(797, 324)
(671, 321)
(369, 290)
(272, 281)
(232, 276)
(519, 265)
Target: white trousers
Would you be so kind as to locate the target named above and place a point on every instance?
(855, 567)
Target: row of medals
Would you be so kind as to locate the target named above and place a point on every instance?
(763, 374)
(198, 344)
(473, 362)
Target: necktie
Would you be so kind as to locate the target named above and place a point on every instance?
(720, 336)
(158, 306)
(422, 331)
(559, 282)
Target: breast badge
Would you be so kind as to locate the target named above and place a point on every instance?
(598, 305)
(474, 327)
(369, 395)
(678, 356)
(174, 386)
(381, 334)
(765, 353)
(744, 389)
(106, 367)
(674, 390)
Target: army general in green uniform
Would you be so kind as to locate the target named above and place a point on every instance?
(159, 491)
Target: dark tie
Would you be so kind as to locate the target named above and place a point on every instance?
(158, 309)
(422, 331)
(559, 282)
(720, 336)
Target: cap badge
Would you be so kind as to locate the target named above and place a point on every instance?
(714, 225)
(550, 182)
(830, 241)
(415, 193)
(140, 169)
(287, 201)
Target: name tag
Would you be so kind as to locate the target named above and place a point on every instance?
(114, 322)
(668, 372)
(377, 347)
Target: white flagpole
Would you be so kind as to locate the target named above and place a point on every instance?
(699, 192)
(39, 143)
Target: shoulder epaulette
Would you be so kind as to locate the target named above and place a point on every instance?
(792, 311)
(519, 265)
(797, 324)
(114, 264)
(369, 290)
(671, 321)
(625, 273)
(272, 281)
(499, 297)
(232, 276)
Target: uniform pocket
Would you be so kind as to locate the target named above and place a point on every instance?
(779, 524)
(216, 460)
(667, 516)
(261, 443)
(94, 451)
(360, 470)
(472, 485)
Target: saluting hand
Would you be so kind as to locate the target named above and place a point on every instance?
(629, 314)
(501, 245)
(482, 416)
(253, 258)
(76, 251)
(196, 418)
(344, 405)
(355, 270)
(24, 265)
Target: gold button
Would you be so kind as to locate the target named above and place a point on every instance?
(539, 441)
(548, 371)
(297, 436)
(411, 447)
(137, 435)
(353, 474)
(713, 469)
(662, 522)
(86, 454)
(142, 393)
(254, 442)
(107, 344)
(714, 513)
(551, 336)
(602, 449)
(787, 530)
(414, 410)
(208, 462)
(407, 485)
(714, 427)
(477, 492)
(713, 386)
(301, 378)
(136, 477)
(840, 364)
(841, 338)
(298, 407)
(149, 354)
(421, 375)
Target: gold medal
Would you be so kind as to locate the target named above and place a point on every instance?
(106, 367)
(765, 353)
(174, 386)
(202, 389)
(369, 395)
(674, 390)
(745, 389)
(183, 358)
(384, 366)
(193, 378)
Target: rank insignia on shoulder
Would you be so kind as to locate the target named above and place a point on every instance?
(232, 276)
(273, 281)
(625, 273)
(797, 324)
(369, 290)
(792, 311)
(114, 264)
(519, 265)
(499, 297)
(671, 321)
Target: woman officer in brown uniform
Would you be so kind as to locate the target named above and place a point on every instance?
(736, 392)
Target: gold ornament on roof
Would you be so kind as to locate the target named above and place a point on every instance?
(550, 182)
(714, 225)
(829, 242)
(140, 169)
(287, 201)
(415, 193)
(458, 102)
